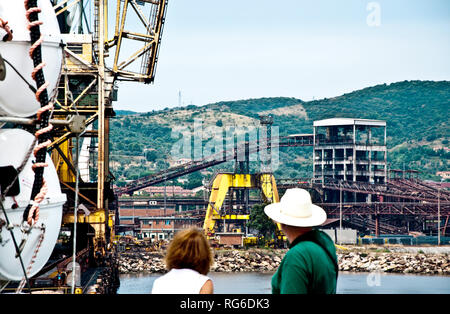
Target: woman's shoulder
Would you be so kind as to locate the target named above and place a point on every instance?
(180, 280)
(187, 274)
(207, 288)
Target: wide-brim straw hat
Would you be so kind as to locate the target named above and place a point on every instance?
(296, 209)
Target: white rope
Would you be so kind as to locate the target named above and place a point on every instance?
(33, 258)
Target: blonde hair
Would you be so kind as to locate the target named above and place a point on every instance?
(189, 249)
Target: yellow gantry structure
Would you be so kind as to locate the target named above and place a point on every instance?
(222, 184)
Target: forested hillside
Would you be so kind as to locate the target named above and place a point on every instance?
(416, 112)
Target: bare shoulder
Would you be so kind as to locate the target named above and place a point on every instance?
(207, 288)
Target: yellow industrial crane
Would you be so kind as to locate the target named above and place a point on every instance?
(224, 183)
(221, 186)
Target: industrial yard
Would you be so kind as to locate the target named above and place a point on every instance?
(119, 184)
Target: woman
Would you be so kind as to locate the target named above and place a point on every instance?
(188, 261)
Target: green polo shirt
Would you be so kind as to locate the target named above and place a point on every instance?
(307, 267)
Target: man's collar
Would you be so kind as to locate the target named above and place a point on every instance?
(302, 237)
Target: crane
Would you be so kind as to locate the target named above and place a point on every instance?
(87, 89)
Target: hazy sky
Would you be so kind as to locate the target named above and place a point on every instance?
(216, 50)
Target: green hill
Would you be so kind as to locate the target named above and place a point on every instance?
(416, 112)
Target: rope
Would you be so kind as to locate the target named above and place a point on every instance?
(9, 37)
(33, 258)
(39, 190)
(10, 227)
(4, 25)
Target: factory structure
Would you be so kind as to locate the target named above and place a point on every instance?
(347, 149)
(351, 180)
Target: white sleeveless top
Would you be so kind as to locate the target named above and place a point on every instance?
(179, 281)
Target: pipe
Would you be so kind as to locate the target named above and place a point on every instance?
(28, 121)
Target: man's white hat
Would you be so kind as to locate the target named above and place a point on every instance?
(296, 209)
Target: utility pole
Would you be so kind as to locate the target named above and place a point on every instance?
(165, 197)
(439, 214)
(75, 217)
(340, 211)
(101, 176)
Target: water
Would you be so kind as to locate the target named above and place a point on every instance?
(348, 283)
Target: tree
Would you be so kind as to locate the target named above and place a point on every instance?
(195, 179)
(260, 222)
(151, 155)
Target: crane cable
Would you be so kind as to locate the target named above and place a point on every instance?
(40, 188)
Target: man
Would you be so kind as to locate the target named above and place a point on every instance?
(310, 265)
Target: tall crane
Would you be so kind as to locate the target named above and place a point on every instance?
(87, 90)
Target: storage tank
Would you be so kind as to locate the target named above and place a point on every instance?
(16, 98)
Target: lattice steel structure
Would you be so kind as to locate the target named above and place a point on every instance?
(87, 90)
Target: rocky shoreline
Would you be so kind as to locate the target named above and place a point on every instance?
(267, 260)
(429, 264)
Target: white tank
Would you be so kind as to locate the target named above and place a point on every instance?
(16, 99)
(14, 144)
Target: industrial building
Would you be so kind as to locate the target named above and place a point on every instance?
(347, 149)
(151, 219)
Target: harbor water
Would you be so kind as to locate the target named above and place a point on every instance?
(348, 283)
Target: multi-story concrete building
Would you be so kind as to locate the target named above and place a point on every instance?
(350, 150)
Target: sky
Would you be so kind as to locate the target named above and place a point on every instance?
(214, 50)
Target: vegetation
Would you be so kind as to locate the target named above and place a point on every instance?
(416, 113)
(259, 222)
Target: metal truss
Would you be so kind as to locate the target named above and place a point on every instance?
(389, 208)
(85, 95)
(147, 32)
(213, 160)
